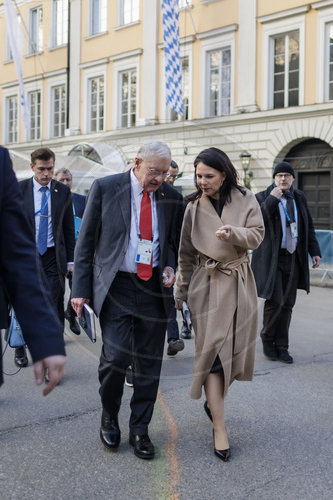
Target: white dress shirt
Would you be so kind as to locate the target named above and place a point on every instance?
(38, 205)
(129, 265)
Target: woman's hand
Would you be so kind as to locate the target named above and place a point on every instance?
(178, 304)
(223, 232)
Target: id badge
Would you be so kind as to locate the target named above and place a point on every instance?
(293, 230)
(144, 252)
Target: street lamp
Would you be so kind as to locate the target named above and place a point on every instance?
(245, 158)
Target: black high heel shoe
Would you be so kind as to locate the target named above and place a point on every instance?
(221, 454)
(208, 412)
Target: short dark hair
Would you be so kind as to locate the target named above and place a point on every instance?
(173, 164)
(42, 154)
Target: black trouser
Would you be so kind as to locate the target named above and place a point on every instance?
(172, 326)
(277, 313)
(70, 313)
(55, 281)
(133, 322)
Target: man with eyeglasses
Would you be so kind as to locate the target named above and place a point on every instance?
(280, 264)
(124, 266)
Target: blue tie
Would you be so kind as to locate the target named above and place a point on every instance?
(43, 223)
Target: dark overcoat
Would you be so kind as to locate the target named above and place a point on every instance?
(265, 258)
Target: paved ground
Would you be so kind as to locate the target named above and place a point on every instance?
(280, 428)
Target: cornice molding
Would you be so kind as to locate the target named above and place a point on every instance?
(283, 14)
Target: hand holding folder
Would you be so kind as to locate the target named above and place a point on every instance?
(186, 315)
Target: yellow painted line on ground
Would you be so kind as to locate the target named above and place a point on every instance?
(171, 452)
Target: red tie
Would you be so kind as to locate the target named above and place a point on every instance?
(145, 271)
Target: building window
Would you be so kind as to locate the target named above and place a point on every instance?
(58, 96)
(286, 70)
(219, 62)
(129, 11)
(329, 45)
(34, 103)
(128, 98)
(98, 19)
(185, 69)
(36, 30)
(60, 22)
(12, 119)
(96, 104)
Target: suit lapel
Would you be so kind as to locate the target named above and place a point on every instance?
(124, 195)
(29, 202)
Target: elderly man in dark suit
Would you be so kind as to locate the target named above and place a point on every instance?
(23, 284)
(280, 264)
(79, 201)
(125, 261)
(48, 207)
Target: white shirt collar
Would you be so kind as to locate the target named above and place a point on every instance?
(37, 186)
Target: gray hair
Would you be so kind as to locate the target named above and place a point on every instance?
(154, 148)
(63, 170)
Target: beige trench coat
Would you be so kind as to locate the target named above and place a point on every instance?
(215, 279)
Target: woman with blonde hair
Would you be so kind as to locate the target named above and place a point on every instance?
(221, 223)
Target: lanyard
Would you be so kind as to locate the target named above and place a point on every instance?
(285, 211)
(42, 208)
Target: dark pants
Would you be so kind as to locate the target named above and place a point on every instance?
(133, 323)
(55, 281)
(172, 326)
(277, 313)
(70, 313)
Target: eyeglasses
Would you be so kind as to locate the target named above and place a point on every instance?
(156, 173)
(173, 176)
(279, 176)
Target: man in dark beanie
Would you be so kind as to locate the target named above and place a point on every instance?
(280, 264)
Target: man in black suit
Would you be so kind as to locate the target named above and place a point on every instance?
(48, 207)
(125, 261)
(280, 264)
(79, 201)
(23, 284)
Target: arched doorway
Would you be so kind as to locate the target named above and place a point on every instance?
(313, 163)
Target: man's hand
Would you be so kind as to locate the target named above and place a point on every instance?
(315, 261)
(70, 268)
(55, 367)
(168, 277)
(223, 232)
(77, 305)
(276, 192)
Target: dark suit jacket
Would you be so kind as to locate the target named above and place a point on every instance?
(265, 258)
(22, 281)
(79, 202)
(62, 219)
(104, 236)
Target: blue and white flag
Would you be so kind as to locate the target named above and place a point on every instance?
(15, 38)
(173, 74)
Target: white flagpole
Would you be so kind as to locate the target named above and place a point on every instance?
(15, 38)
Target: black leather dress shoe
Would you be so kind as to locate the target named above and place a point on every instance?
(143, 447)
(208, 412)
(270, 350)
(21, 358)
(109, 432)
(223, 454)
(284, 356)
(74, 326)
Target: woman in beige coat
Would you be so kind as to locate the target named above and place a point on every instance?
(221, 223)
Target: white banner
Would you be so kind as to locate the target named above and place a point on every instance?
(15, 38)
